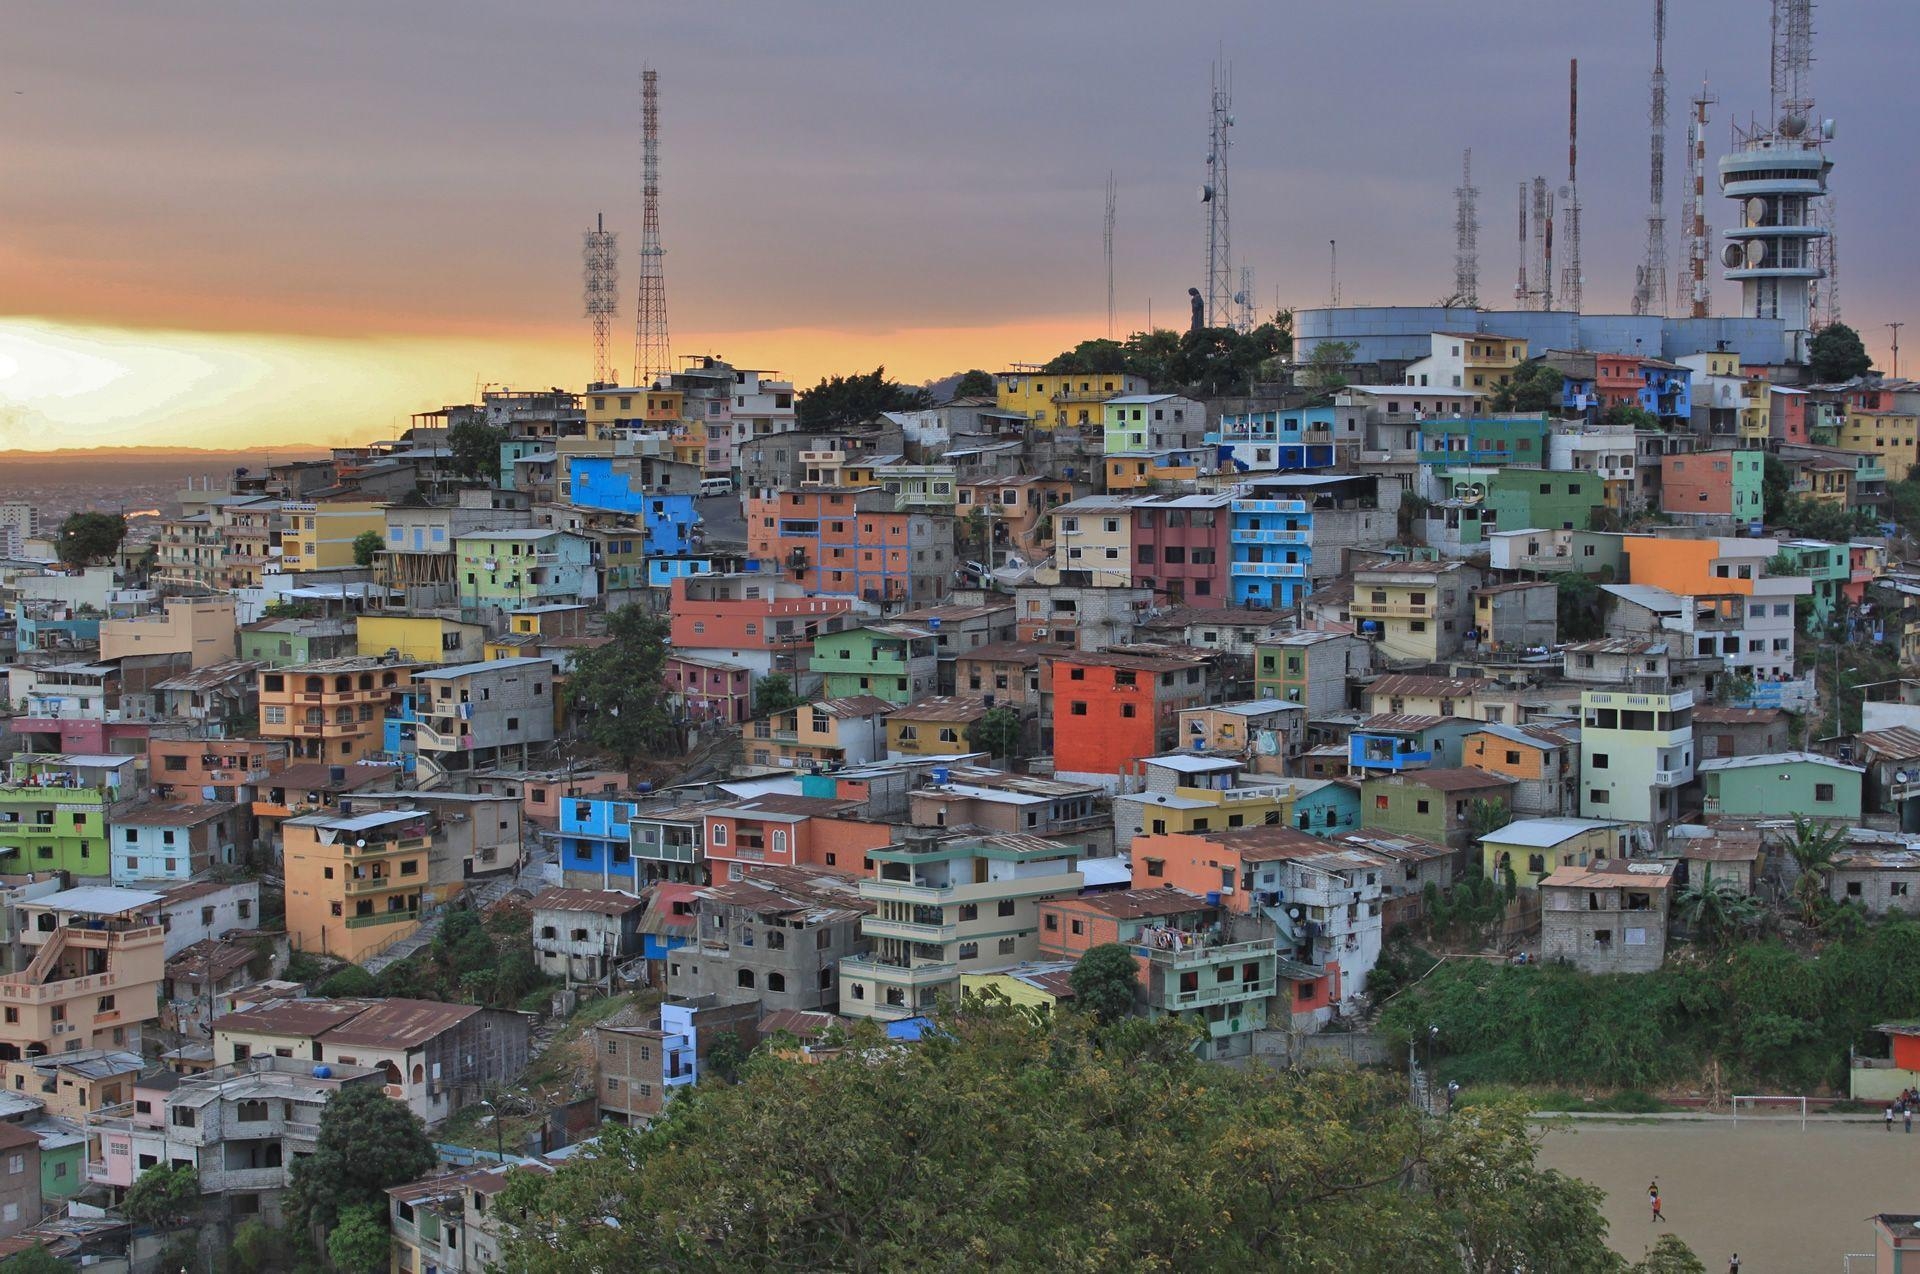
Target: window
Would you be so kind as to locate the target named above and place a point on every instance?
(1006, 906)
(1823, 792)
(1599, 760)
(1156, 867)
(1897, 889)
(1077, 708)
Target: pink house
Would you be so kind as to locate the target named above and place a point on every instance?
(1180, 547)
(113, 1159)
(711, 689)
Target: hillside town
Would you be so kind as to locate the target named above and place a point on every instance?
(947, 697)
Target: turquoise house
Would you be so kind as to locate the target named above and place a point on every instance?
(1830, 568)
(1325, 807)
(1780, 785)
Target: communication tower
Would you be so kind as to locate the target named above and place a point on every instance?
(1213, 193)
(652, 348)
(1112, 207)
(600, 258)
(1572, 284)
(1694, 215)
(1650, 284)
(1466, 236)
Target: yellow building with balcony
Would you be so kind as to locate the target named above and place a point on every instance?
(97, 958)
(319, 537)
(1891, 435)
(1414, 610)
(1050, 399)
(332, 710)
(1756, 412)
(421, 639)
(613, 409)
(356, 884)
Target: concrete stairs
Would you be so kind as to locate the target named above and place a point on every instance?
(478, 898)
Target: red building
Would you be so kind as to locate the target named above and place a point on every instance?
(711, 689)
(788, 831)
(1790, 414)
(1700, 483)
(752, 618)
(1110, 708)
(1180, 547)
(853, 544)
(1616, 380)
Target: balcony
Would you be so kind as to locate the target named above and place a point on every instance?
(926, 974)
(1371, 610)
(667, 852)
(1219, 993)
(1270, 506)
(874, 927)
(1239, 536)
(383, 849)
(1271, 570)
(1673, 778)
(361, 886)
(382, 918)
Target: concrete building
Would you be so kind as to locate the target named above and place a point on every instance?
(774, 937)
(1438, 805)
(1415, 610)
(847, 731)
(356, 883)
(201, 628)
(1636, 754)
(581, 934)
(971, 797)
(1092, 543)
(1781, 785)
(756, 620)
(98, 958)
(166, 841)
(472, 715)
(853, 544)
(943, 907)
(1054, 399)
(1311, 668)
(1534, 848)
(333, 710)
(1517, 617)
(498, 571)
(639, 1065)
(1608, 917)
(319, 537)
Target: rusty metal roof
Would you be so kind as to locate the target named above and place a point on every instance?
(603, 902)
(399, 1023)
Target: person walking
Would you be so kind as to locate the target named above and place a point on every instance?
(1653, 1201)
(1889, 1118)
(1906, 1117)
(1733, 1266)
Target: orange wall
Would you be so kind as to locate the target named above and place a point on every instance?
(1105, 741)
(1679, 566)
(1906, 1052)
(1489, 752)
(1193, 863)
(1684, 478)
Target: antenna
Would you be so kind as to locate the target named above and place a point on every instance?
(1827, 256)
(1214, 195)
(1243, 305)
(1520, 289)
(1111, 207)
(1895, 329)
(1540, 259)
(600, 256)
(1650, 285)
(1694, 215)
(1571, 284)
(652, 348)
(1333, 273)
(1792, 80)
(1466, 236)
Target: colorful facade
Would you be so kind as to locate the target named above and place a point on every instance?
(852, 544)
(356, 884)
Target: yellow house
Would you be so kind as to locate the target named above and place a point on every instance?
(1756, 412)
(426, 639)
(1093, 534)
(1417, 610)
(933, 727)
(1062, 398)
(319, 537)
(1138, 471)
(1534, 848)
(1210, 809)
(617, 407)
(852, 473)
(1423, 696)
(850, 731)
(1891, 435)
(1031, 985)
(356, 884)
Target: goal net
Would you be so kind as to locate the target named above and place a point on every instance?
(1763, 1106)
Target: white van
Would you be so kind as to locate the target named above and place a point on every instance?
(716, 486)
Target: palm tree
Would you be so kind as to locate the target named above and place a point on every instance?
(1713, 909)
(1814, 847)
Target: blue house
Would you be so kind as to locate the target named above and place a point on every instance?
(1395, 743)
(514, 450)
(596, 838)
(1667, 391)
(398, 735)
(1275, 441)
(1270, 534)
(1325, 807)
(667, 519)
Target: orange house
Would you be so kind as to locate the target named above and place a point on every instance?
(334, 710)
(787, 831)
(852, 544)
(751, 612)
(181, 768)
(1110, 708)
(1069, 927)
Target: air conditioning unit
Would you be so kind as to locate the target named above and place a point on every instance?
(1226, 891)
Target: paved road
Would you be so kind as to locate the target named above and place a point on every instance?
(722, 518)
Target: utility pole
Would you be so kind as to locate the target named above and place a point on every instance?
(1895, 329)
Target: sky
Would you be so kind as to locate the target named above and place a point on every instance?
(228, 221)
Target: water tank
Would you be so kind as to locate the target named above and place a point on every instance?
(323, 1072)
(942, 776)
(752, 564)
(1213, 898)
(643, 788)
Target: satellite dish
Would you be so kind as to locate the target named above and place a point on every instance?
(1731, 256)
(1792, 125)
(1826, 130)
(1756, 252)
(1206, 193)
(361, 843)
(1756, 211)
(1903, 776)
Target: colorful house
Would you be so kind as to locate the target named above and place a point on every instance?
(1281, 441)
(1782, 785)
(1061, 398)
(1326, 807)
(1477, 501)
(1721, 485)
(1636, 753)
(319, 537)
(844, 731)
(1828, 567)
(895, 662)
(853, 544)
(356, 883)
(1311, 669)
(1152, 422)
(333, 710)
(1180, 546)
(1543, 762)
(938, 726)
(1111, 708)
(420, 639)
(1440, 805)
(1454, 441)
(1397, 742)
(1415, 610)
(53, 817)
(514, 570)
(1534, 848)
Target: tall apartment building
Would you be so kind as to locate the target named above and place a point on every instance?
(333, 710)
(472, 715)
(853, 544)
(1636, 753)
(98, 958)
(19, 522)
(356, 883)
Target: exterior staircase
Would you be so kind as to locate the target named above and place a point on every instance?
(478, 898)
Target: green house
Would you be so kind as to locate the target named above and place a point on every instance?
(63, 1161)
(53, 819)
(281, 643)
(1827, 565)
(1460, 441)
(1780, 785)
(1481, 500)
(896, 662)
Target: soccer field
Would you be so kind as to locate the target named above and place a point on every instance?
(1789, 1202)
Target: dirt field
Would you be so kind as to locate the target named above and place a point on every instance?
(1788, 1202)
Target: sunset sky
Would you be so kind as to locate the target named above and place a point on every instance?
(226, 222)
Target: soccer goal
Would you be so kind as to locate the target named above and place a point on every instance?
(1764, 1106)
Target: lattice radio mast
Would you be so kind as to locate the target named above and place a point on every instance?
(652, 348)
(1650, 287)
(1572, 284)
(1214, 195)
(600, 258)
(1466, 236)
(1694, 215)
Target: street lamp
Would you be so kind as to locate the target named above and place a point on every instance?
(499, 1137)
(1433, 1038)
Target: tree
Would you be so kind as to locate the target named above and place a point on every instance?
(1813, 846)
(1079, 1147)
(360, 1242)
(1104, 981)
(85, 538)
(838, 401)
(367, 1143)
(1582, 606)
(724, 1058)
(1714, 909)
(775, 693)
(1628, 414)
(257, 1248)
(350, 983)
(475, 446)
(1669, 1255)
(1486, 817)
(1326, 367)
(1000, 733)
(1837, 353)
(1776, 487)
(1535, 386)
(975, 384)
(35, 1260)
(162, 1197)
(365, 545)
(619, 689)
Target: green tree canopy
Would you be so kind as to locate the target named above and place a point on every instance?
(975, 384)
(367, 1142)
(1628, 414)
(1326, 367)
(1535, 386)
(1837, 353)
(1213, 358)
(1669, 1255)
(35, 1260)
(365, 545)
(1104, 981)
(1000, 733)
(86, 538)
(162, 1197)
(349, 983)
(775, 693)
(619, 689)
(359, 1244)
(1009, 1142)
(475, 446)
(852, 400)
